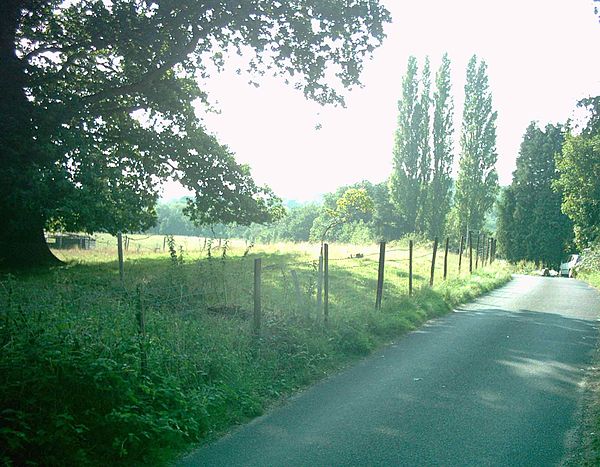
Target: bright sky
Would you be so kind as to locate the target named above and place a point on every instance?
(542, 56)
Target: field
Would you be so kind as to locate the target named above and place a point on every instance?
(96, 371)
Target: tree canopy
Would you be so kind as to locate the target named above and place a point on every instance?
(579, 180)
(101, 100)
(422, 155)
(532, 226)
(477, 180)
(439, 195)
(410, 172)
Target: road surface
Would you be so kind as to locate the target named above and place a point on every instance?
(498, 382)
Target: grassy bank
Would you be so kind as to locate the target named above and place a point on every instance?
(82, 383)
(591, 411)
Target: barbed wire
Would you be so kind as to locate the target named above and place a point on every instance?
(139, 239)
(357, 266)
(287, 265)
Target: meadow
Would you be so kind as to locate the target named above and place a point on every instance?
(98, 371)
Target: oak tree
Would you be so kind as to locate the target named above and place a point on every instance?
(100, 97)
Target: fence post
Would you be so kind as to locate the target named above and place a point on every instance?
(257, 302)
(164, 243)
(435, 245)
(446, 258)
(326, 283)
(141, 322)
(320, 285)
(470, 252)
(380, 273)
(477, 251)
(482, 251)
(460, 252)
(410, 267)
(483, 240)
(120, 255)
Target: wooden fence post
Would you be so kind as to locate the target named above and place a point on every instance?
(120, 255)
(410, 267)
(486, 245)
(325, 283)
(477, 251)
(483, 240)
(460, 252)
(446, 258)
(380, 273)
(320, 285)
(482, 262)
(435, 245)
(470, 252)
(257, 299)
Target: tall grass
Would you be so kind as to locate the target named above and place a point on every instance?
(80, 384)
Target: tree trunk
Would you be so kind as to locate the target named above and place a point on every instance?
(22, 242)
(25, 248)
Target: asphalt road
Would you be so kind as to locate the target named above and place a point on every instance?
(498, 382)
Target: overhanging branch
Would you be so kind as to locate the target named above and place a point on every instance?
(148, 78)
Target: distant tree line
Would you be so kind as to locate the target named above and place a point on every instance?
(553, 204)
(551, 207)
(418, 195)
(367, 219)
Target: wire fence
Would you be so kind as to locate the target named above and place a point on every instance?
(254, 287)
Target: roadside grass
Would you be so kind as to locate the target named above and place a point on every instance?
(82, 384)
(591, 415)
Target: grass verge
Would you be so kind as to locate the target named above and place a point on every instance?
(589, 454)
(83, 382)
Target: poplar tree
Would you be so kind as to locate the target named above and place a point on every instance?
(411, 153)
(477, 180)
(404, 184)
(424, 148)
(443, 113)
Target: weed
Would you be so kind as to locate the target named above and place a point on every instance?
(152, 372)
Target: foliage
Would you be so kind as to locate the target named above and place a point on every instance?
(532, 226)
(477, 180)
(382, 222)
(579, 180)
(299, 221)
(443, 157)
(386, 223)
(420, 183)
(74, 329)
(353, 203)
(101, 100)
(410, 172)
